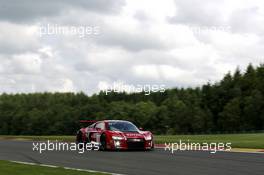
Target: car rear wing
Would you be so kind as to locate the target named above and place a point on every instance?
(88, 121)
(85, 123)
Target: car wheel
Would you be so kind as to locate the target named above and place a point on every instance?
(79, 137)
(79, 140)
(103, 142)
(152, 146)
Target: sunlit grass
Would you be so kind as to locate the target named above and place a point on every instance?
(237, 140)
(11, 168)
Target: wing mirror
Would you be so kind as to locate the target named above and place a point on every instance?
(140, 128)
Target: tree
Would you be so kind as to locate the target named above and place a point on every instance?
(230, 117)
(253, 111)
(236, 103)
(144, 113)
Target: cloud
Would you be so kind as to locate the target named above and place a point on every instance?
(28, 10)
(26, 64)
(16, 38)
(243, 20)
(140, 42)
(136, 41)
(193, 12)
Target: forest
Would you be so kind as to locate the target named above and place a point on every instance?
(234, 104)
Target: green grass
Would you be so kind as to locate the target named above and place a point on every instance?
(11, 168)
(237, 140)
(38, 138)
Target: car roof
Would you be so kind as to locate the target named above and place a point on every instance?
(107, 121)
(114, 121)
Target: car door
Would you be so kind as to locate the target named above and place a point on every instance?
(99, 128)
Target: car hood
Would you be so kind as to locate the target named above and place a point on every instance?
(140, 134)
(133, 135)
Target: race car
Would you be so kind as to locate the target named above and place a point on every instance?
(115, 135)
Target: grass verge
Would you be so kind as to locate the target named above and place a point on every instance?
(11, 168)
(237, 140)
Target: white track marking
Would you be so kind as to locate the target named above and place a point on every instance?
(234, 151)
(244, 152)
(67, 168)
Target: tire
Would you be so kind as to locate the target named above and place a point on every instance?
(152, 147)
(79, 140)
(103, 142)
(89, 139)
(79, 137)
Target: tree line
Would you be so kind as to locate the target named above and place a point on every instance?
(234, 104)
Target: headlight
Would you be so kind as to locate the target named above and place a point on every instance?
(117, 143)
(117, 138)
(148, 137)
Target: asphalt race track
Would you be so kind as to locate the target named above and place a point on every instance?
(140, 162)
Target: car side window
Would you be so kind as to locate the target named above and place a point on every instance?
(91, 126)
(100, 125)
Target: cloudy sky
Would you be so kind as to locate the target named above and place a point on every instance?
(178, 43)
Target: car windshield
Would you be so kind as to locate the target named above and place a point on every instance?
(122, 126)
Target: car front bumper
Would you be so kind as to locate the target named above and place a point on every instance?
(130, 144)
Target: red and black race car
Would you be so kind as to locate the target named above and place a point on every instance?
(116, 135)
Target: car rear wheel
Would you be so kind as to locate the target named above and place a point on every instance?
(79, 140)
(79, 137)
(103, 142)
